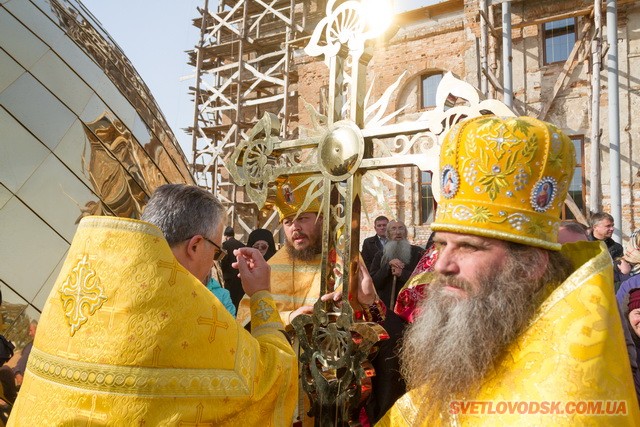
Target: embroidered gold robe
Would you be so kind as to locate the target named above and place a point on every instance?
(293, 284)
(573, 351)
(129, 337)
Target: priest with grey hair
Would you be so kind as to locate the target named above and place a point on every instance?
(394, 263)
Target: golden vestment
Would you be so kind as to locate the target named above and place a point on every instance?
(294, 284)
(572, 352)
(128, 337)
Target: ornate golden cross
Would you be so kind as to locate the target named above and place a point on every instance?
(198, 422)
(337, 154)
(214, 323)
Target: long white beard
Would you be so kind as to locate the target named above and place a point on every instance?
(455, 342)
(396, 249)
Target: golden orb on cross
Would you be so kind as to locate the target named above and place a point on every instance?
(341, 150)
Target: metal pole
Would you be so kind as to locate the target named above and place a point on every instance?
(596, 64)
(491, 57)
(483, 48)
(507, 65)
(614, 117)
(284, 131)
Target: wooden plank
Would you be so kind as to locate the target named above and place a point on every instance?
(493, 79)
(258, 101)
(575, 210)
(569, 66)
(544, 20)
(284, 19)
(264, 76)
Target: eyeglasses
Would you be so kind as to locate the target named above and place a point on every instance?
(220, 254)
(261, 246)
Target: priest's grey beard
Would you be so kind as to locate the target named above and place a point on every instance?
(400, 249)
(456, 341)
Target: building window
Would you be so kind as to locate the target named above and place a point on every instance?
(559, 38)
(576, 187)
(428, 87)
(427, 202)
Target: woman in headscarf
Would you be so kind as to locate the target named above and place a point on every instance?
(262, 240)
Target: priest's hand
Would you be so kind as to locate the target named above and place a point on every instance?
(305, 309)
(397, 263)
(255, 273)
(365, 293)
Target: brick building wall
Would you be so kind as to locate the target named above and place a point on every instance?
(444, 38)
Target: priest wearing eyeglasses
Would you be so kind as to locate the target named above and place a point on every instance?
(131, 336)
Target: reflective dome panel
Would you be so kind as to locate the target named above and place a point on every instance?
(81, 135)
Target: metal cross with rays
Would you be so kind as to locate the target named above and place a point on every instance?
(340, 151)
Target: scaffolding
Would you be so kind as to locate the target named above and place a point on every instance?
(244, 68)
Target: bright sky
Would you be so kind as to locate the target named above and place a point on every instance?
(154, 35)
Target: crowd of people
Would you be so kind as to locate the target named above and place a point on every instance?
(505, 306)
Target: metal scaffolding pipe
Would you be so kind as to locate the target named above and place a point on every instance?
(484, 35)
(507, 59)
(614, 117)
(284, 130)
(596, 64)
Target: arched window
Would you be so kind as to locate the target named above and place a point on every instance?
(429, 85)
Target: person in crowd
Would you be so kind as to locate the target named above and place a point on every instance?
(295, 268)
(7, 377)
(632, 253)
(634, 311)
(602, 228)
(512, 316)
(131, 336)
(262, 240)
(625, 304)
(392, 266)
(222, 294)
(572, 231)
(628, 297)
(21, 365)
(229, 274)
(374, 244)
(390, 269)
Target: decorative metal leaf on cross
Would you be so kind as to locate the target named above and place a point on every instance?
(339, 152)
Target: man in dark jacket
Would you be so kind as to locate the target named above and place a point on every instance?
(602, 228)
(372, 245)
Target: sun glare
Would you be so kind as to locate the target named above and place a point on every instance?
(378, 15)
